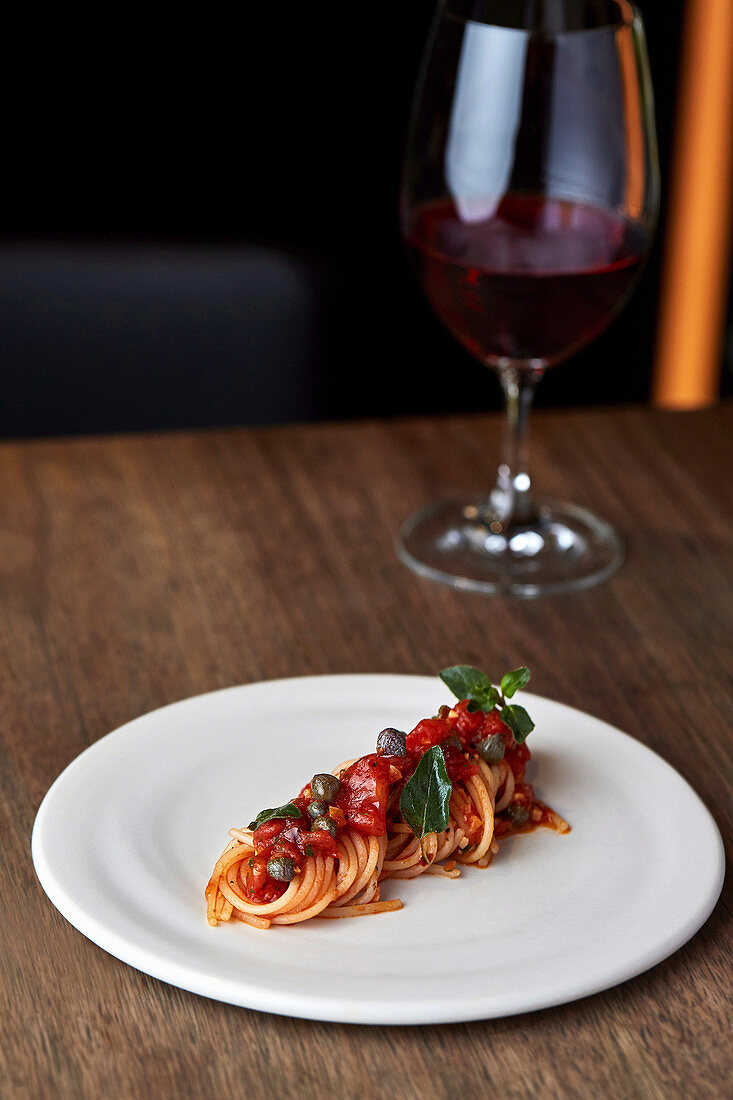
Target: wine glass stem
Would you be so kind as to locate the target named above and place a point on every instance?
(511, 501)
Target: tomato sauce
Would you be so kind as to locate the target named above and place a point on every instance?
(284, 836)
(364, 792)
(366, 786)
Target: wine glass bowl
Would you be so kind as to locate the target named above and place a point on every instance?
(502, 285)
(529, 199)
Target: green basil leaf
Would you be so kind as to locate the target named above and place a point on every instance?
(464, 680)
(518, 720)
(484, 702)
(288, 810)
(426, 795)
(513, 681)
(470, 683)
(309, 850)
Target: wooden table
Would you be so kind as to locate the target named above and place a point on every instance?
(135, 571)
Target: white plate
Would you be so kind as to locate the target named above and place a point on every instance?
(126, 838)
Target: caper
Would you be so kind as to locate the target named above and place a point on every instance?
(518, 814)
(281, 868)
(391, 742)
(491, 749)
(326, 824)
(324, 787)
(454, 740)
(317, 808)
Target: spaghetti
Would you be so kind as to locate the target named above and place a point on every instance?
(326, 853)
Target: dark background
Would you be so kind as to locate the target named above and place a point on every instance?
(200, 225)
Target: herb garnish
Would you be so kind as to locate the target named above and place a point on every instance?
(288, 810)
(470, 683)
(426, 795)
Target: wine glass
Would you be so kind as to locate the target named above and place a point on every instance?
(529, 199)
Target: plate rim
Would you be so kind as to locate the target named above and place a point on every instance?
(360, 1011)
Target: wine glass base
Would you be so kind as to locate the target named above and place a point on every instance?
(564, 549)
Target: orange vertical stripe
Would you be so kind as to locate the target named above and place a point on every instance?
(694, 281)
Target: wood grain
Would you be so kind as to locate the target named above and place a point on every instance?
(135, 571)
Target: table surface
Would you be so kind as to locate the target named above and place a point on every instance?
(135, 571)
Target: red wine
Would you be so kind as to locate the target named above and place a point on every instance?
(534, 281)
